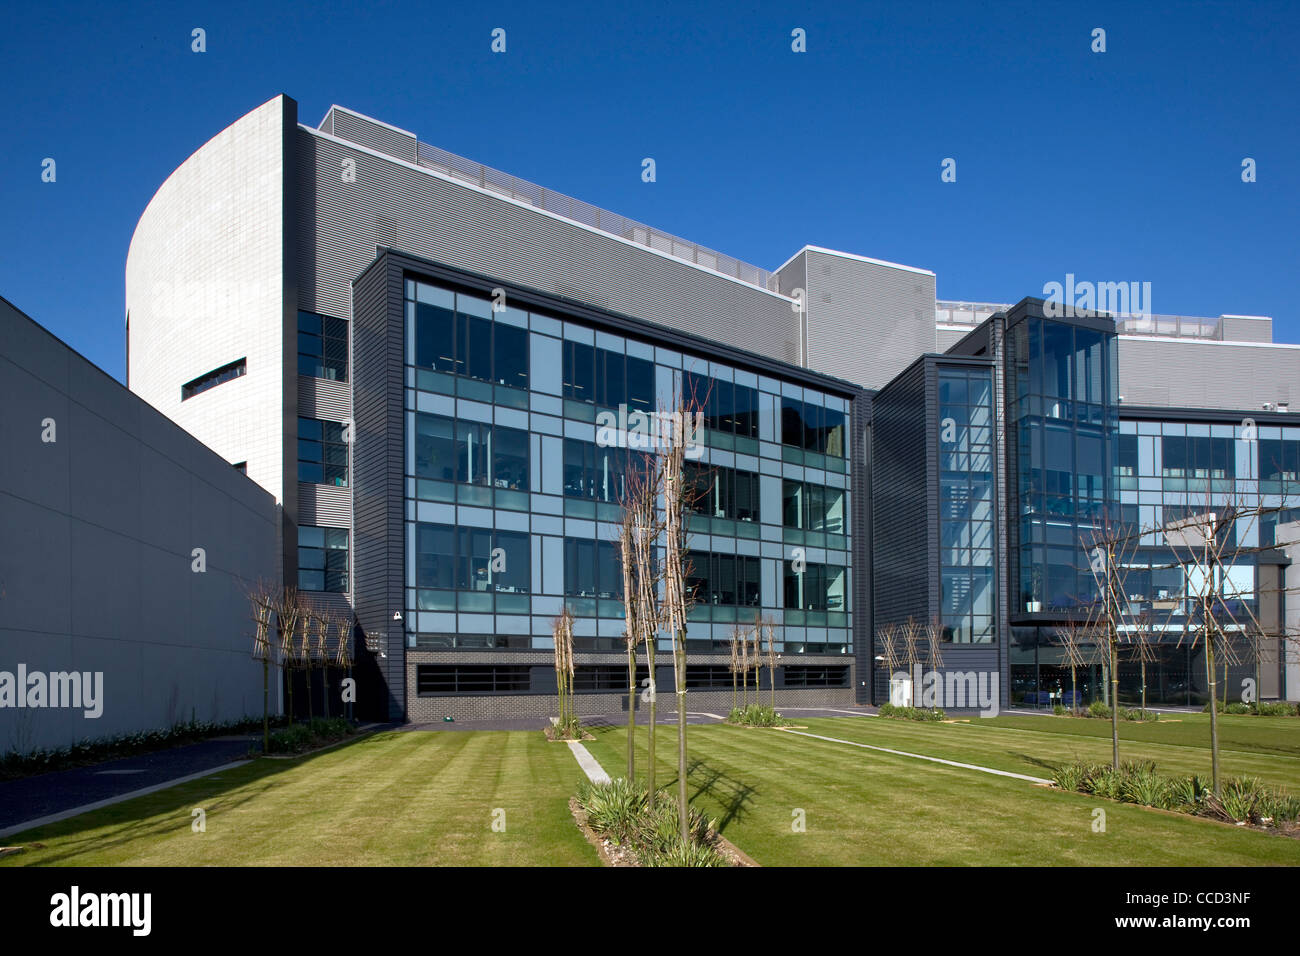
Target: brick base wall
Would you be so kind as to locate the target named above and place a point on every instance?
(435, 708)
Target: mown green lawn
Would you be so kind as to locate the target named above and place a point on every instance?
(428, 799)
(1264, 747)
(1276, 735)
(867, 808)
(392, 799)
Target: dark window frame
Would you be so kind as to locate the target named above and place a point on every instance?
(331, 440)
(218, 376)
(326, 338)
(445, 680)
(335, 575)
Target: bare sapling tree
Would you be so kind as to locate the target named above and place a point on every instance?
(887, 648)
(910, 635)
(686, 424)
(1209, 547)
(934, 643)
(643, 483)
(562, 632)
(1072, 650)
(304, 656)
(1144, 651)
(1110, 548)
(769, 629)
(733, 644)
(288, 612)
(744, 666)
(342, 624)
(262, 598)
(320, 655)
(757, 658)
(631, 630)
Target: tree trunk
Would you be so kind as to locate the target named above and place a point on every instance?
(631, 711)
(682, 816)
(266, 704)
(1144, 683)
(1114, 699)
(650, 728)
(1214, 710)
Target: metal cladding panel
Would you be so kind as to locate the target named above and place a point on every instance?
(341, 223)
(321, 398)
(1240, 328)
(944, 339)
(324, 505)
(372, 135)
(378, 546)
(903, 509)
(791, 277)
(860, 485)
(1177, 374)
(866, 321)
(997, 329)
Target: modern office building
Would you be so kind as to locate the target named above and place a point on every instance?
(411, 351)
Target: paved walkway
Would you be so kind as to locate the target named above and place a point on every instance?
(31, 798)
(904, 753)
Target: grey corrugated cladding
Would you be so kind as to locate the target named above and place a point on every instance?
(866, 321)
(903, 509)
(378, 491)
(860, 485)
(1206, 374)
(792, 279)
(340, 223)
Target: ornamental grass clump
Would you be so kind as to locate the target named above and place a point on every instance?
(625, 814)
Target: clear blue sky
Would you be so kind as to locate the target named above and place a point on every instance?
(1116, 167)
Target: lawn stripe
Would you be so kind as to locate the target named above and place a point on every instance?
(904, 753)
(1131, 740)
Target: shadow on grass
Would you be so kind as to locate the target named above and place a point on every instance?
(163, 813)
(1040, 762)
(734, 796)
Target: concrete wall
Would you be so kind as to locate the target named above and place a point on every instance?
(97, 531)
